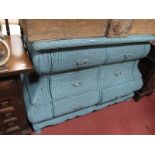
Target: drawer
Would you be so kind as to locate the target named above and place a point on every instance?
(65, 85)
(4, 104)
(126, 52)
(6, 88)
(75, 103)
(116, 92)
(7, 110)
(63, 60)
(11, 127)
(9, 123)
(8, 117)
(116, 74)
(7, 106)
(78, 58)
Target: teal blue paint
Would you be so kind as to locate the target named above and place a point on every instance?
(76, 80)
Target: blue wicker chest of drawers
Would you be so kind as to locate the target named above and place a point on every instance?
(75, 77)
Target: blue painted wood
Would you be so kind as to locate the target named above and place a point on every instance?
(48, 62)
(56, 95)
(69, 84)
(57, 44)
(107, 73)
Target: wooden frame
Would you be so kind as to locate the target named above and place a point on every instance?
(55, 29)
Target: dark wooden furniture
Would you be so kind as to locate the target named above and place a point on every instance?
(13, 119)
(147, 68)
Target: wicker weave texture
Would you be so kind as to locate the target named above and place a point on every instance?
(53, 61)
(98, 72)
(55, 95)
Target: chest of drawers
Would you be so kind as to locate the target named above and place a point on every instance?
(13, 117)
(77, 76)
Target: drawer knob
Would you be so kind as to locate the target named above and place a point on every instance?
(82, 62)
(76, 83)
(127, 56)
(117, 74)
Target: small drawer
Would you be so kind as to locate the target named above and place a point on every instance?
(116, 92)
(119, 91)
(7, 110)
(116, 74)
(4, 104)
(126, 52)
(78, 58)
(9, 120)
(8, 115)
(69, 59)
(11, 124)
(65, 85)
(12, 129)
(75, 103)
(6, 88)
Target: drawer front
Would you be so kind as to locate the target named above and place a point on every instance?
(116, 74)
(5, 104)
(6, 88)
(126, 52)
(82, 57)
(116, 92)
(78, 58)
(11, 127)
(8, 117)
(49, 62)
(65, 85)
(7, 110)
(75, 103)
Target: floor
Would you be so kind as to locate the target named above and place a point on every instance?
(122, 118)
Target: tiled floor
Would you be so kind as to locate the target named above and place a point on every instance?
(122, 118)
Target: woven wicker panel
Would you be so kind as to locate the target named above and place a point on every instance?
(49, 62)
(77, 100)
(116, 92)
(77, 58)
(39, 112)
(42, 63)
(52, 96)
(38, 89)
(112, 75)
(126, 52)
(75, 103)
(65, 85)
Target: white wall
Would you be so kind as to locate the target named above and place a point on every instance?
(14, 26)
